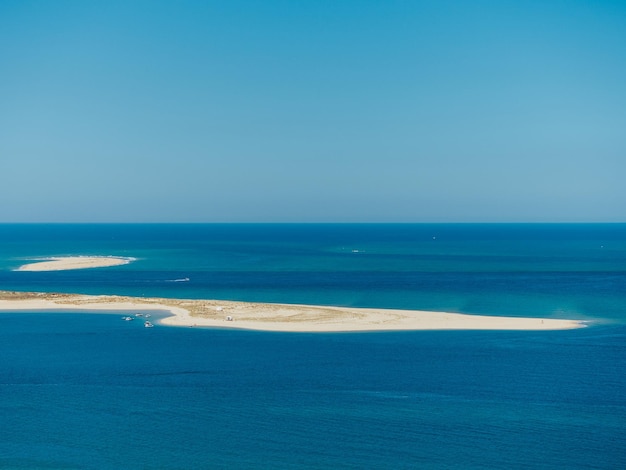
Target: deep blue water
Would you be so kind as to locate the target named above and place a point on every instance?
(92, 391)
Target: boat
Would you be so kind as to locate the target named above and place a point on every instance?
(127, 318)
(139, 314)
(148, 324)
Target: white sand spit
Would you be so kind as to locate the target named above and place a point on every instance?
(278, 317)
(63, 263)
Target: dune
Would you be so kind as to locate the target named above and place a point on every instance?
(62, 263)
(276, 317)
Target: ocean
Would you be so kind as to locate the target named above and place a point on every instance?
(81, 390)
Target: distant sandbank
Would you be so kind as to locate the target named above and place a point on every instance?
(63, 263)
(276, 317)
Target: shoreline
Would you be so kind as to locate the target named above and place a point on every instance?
(66, 263)
(275, 317)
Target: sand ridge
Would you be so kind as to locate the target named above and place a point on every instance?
(63, 263)
(276, 317)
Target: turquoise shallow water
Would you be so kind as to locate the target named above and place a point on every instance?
(92, 391)
(538, 270)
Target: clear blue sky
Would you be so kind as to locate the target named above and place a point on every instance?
(312, 111)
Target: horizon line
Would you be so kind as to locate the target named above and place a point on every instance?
(316, 223)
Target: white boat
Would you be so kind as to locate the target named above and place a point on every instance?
(147, 324)
(139, 314)
(127, 318)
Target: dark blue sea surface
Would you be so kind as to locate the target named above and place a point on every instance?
(93, 391)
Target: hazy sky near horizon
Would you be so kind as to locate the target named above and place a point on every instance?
(321, 111)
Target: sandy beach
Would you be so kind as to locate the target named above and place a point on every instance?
(276, 317)
(63, 263)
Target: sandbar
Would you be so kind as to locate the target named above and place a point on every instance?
(276, 317)
(63, 263)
